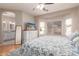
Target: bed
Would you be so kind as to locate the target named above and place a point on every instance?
(47, 46)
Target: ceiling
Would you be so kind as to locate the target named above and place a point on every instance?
(28, 7)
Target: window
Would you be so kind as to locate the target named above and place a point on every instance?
(42, 28)
(4, 26)
(68, 26)
(8, 19)
(12, 26)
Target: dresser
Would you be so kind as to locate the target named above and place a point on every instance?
(30, 35)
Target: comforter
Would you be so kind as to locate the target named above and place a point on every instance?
(46, 46)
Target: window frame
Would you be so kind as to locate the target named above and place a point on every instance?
(68, 32)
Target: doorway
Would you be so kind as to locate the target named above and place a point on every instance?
(8, 27)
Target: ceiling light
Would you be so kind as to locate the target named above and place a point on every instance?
(40, 6)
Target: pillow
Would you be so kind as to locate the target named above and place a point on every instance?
(76, 41)
(76, 44)
(73, 35)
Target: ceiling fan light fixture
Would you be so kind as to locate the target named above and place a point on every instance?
(40, 6)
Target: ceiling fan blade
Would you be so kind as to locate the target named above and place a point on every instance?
(48, 3)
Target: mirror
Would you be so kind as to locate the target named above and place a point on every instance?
(18, 34)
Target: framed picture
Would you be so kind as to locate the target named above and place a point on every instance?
(18, 34)
(30, 26)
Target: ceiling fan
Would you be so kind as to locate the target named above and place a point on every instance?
(41, 6)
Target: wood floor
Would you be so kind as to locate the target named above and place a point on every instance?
(5, 49)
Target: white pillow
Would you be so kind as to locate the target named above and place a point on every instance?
(76, 41)
(73, 35)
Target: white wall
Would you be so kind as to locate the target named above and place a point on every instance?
(62, 15)
(1, 28)
(22, 17)
(27, 19)
(75, 22)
